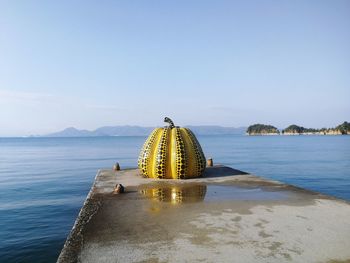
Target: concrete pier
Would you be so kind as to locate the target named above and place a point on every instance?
(225, 216)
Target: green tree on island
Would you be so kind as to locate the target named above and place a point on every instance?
(344, 128)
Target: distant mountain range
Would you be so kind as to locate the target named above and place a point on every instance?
(141, 131)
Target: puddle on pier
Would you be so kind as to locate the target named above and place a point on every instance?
(176, 194)
(190, 193)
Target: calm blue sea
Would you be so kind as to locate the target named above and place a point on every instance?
(44, 181)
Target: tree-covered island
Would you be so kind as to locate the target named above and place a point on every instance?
(341, 129)
(296, 130)
(262, 129)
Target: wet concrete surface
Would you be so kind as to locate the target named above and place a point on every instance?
(225, 216)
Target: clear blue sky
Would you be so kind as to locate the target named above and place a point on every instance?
(232, 63)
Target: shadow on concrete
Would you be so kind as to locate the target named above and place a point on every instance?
(220, 170)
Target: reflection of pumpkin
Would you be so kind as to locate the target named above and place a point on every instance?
(176, 194)
(172, 153)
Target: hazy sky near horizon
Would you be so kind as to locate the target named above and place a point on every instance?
(232, 63)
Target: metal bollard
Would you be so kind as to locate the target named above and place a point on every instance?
(210, 162)
(116, 167)
(118, 189)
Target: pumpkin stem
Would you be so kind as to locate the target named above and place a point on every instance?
(168, 120)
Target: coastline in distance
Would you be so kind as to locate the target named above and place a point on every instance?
(263, 129)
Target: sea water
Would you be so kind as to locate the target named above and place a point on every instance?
(44, 181)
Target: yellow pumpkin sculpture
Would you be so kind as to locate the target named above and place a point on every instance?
(171, 153)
